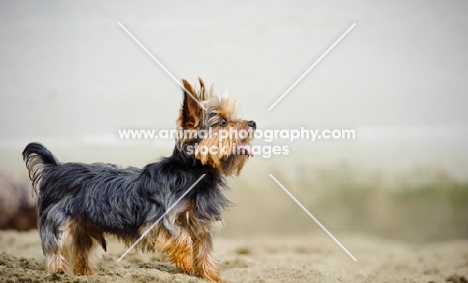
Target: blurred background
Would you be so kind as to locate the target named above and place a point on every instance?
(70, 78)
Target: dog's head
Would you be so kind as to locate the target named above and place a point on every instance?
(210, 130)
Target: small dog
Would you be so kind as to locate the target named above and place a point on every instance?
(79, 203)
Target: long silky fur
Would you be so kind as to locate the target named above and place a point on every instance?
(120, 201)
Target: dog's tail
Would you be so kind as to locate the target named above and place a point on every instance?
(37, 157)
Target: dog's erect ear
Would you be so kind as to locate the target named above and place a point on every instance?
(190, 112)
(202, 89)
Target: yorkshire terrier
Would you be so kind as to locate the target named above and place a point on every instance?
(80, 203)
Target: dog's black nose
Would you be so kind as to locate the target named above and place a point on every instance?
(252, 124)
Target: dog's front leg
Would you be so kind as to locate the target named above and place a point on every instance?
(206, 263)
(179, 248)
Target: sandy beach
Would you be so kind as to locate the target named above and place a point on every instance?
(306, 258)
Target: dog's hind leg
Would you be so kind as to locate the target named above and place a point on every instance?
(82, 250)
(54, 230)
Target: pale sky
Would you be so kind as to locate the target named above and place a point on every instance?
(67, 70)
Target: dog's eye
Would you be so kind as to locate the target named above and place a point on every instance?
(223, 122)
